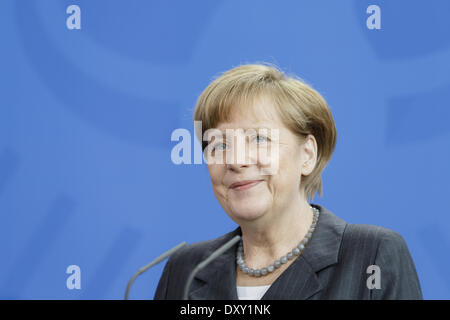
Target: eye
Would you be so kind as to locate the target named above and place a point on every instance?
(260, 139)
(220, 146)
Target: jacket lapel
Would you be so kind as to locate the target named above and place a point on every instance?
(217, 281)
(298, 282)
(301, 279)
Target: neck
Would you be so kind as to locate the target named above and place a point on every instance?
(276, 233)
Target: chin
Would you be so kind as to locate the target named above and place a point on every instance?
(247, 211)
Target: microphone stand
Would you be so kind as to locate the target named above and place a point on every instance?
(151, 264)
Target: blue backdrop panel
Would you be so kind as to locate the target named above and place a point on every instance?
(86, 117)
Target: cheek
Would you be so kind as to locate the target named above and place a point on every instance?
(268, 159)
(216, 173)
(289, 173)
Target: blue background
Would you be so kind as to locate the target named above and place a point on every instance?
(86, 116)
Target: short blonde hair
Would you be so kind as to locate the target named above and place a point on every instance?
(302, 109)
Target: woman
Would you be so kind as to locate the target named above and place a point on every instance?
(290, 249)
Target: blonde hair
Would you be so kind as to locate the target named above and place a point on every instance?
(302, 109)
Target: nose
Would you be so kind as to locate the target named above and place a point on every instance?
(236, 167)
(241, 153)
(240, 160)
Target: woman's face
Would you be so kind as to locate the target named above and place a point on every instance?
(245, 188)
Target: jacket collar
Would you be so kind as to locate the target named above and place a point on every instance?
(298, 281)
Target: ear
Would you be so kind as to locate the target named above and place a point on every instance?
(309, 150)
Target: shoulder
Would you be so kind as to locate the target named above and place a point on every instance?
(385, 249)
(376, 263)
(375, 245)
(373, 236)
(373, 232)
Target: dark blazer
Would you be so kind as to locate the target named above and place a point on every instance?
(332, 266)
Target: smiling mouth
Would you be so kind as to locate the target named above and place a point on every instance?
(245, 185)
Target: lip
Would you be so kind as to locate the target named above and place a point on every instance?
(245, 184)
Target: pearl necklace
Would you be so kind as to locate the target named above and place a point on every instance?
(284, 259)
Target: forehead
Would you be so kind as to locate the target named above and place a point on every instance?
(260, 113)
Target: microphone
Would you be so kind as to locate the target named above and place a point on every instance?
(205, 262)
(151, 264)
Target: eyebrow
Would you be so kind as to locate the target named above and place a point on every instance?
(256, 128)
(223, 137)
